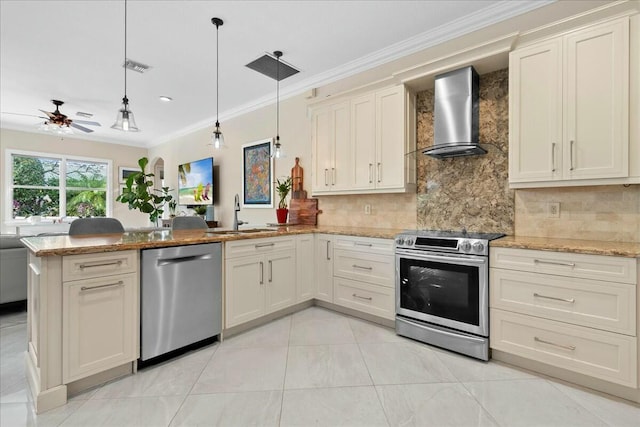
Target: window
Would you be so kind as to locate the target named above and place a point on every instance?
(58, 186)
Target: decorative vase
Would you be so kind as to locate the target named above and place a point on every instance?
(281, 214)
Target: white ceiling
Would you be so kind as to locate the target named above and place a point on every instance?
(73, 51)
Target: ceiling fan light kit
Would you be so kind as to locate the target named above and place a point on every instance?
(125, 120)
(217, 139)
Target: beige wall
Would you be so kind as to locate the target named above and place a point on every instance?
(254, 126)
(120, 155)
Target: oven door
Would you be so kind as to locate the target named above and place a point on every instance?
(449, 290)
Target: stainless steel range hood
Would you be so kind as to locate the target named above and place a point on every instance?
(456, 115)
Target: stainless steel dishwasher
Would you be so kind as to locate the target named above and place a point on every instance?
(181, 297)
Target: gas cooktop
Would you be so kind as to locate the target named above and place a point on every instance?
(446, 241)
(463, 234)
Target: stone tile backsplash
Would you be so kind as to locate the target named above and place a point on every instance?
(387, 210)
(610, 213)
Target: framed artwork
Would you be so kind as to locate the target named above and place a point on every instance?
(124, 172)
(257, 174)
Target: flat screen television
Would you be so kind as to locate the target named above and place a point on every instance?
(195, 183)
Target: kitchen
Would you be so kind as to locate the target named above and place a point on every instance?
(581, 209)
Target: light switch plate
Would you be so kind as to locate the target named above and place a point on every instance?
(553, 210)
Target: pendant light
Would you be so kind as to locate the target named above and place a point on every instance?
(277, 153)
(125, 120)
(217, 139)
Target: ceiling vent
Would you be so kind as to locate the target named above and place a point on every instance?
(267, 64)
(135, 66)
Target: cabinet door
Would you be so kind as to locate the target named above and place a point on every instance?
(341, 136)
(305, 278)
(324, 267)
(322, 150)
(99, 325)
(244, 289)
(363, 128)
(535, 113)
(280, 280)
(597, 101)
(390, 138)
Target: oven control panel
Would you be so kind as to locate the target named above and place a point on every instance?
(459, 245)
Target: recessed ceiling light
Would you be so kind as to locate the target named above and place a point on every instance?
(166, 98)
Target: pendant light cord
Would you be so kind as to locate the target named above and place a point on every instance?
(278, 100)
(217, 75)
(125, 52)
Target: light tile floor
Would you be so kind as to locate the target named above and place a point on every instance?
(312, 368)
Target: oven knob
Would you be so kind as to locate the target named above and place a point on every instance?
(465, 246)
(478, 247)
(409, 242)
(400, 241)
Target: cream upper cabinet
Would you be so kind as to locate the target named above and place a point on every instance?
(365, 152)
(569, 107)
(330, 141)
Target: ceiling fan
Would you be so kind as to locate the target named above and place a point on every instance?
(57, 122)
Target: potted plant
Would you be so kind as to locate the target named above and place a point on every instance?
(283, 189)
(172, 208)
(139, 194)
(201, 210)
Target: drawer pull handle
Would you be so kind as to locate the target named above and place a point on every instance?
(328, 256)
(379, 172)
(362, 267)
(270, 271)
(90, 288)
(537, 295)
(358, 296)
(571, 155)
(370, 173)
(568, 264)
(264, 245)
(566, 347)
(363, 244)
(553, 157)
(104, 264)
(326, 183)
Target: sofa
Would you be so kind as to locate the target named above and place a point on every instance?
(13, 269)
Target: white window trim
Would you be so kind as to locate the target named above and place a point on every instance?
(8, 197)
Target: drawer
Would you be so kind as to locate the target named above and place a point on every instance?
(603, 305)
(258, 246)
(364, 244)
(596, 267)
(605, 355)
(370, 268)
(76, 267)
(372, 299)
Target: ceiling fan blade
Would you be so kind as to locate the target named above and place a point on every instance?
(51, 115)
(26, 115)
(87, 122)
(82, 128)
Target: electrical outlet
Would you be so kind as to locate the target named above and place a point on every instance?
(553, 210)
(367, 209)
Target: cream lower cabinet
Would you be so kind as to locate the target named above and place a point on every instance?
(305, 278)
(364, 271)
(323, 267)
(83, 322)
(260, 278)
(570, 311)
(569, 107)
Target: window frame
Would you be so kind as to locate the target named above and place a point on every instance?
(62, 187)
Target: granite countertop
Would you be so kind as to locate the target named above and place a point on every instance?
(134, 240)
(595, 247)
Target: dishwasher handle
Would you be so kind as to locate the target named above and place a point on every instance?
(178, 260)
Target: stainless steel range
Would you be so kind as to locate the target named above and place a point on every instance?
(442, 289)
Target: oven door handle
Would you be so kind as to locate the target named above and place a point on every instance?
(443, 257)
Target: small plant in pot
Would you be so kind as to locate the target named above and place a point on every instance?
(201, 210)
(283, 189)
(139, 194)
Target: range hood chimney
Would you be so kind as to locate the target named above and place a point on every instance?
(455, 119)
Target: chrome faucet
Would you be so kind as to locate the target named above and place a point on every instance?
(236, 209)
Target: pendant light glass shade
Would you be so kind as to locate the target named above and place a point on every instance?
(125, 121)
(217, 139)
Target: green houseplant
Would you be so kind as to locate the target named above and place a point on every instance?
(139, 194)
(283, 188)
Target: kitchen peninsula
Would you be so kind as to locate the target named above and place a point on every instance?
(77, 339)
